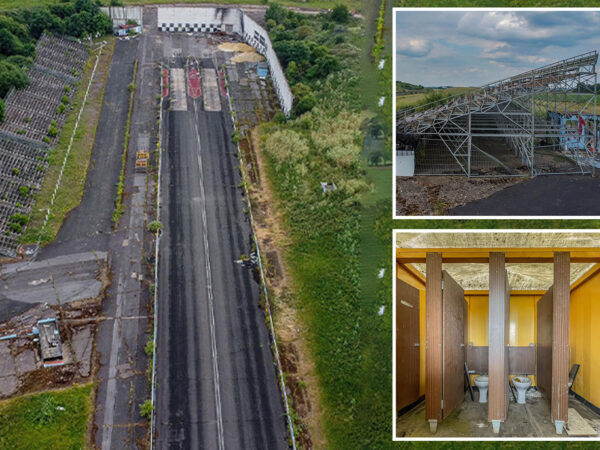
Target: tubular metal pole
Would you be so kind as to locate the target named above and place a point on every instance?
(469, 146)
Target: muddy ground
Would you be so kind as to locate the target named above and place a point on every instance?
(429, 196)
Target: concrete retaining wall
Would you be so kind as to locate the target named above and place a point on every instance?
(229, 20)
(121, 14)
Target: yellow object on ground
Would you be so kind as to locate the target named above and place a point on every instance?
(247, 57)
(236, 47)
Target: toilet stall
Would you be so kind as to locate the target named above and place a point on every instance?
(500, 332)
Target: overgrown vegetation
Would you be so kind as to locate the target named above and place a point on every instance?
(320, 54)
(118, 212)
(53, 419)
(73, 181)
(322, 142)
(20, 28)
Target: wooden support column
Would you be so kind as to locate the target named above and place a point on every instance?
(498, 341)
(433, 333)
(560, 340)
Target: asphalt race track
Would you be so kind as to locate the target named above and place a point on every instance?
(217, 384)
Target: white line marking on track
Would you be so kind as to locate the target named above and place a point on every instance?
(213, 339)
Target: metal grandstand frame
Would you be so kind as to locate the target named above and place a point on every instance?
(541, 109)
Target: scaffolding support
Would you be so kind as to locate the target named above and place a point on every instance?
(541, 109)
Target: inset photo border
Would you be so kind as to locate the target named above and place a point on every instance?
(496, 113)
(495, 335)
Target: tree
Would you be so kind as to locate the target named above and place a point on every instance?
(292, 51)
(340, 14)
(323, 66)
(304, 31)
(102, 23)
(276, 12)
(11, 75)
(305, 104)
(41, 20)
(20, 60)
(292, 73)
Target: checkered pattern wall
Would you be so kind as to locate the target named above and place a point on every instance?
(191, 27)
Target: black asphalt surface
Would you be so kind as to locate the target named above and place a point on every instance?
(561, 195)
(250, 405)
(87, 227)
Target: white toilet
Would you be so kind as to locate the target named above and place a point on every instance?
(522, 383)
(482, 384)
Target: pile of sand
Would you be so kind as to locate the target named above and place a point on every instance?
(247, 57)
(236, 47)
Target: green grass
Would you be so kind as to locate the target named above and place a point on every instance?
(496, 3)
(119, 207)
(39, 421)
(72, 185)
(325, 4)
(405, 100)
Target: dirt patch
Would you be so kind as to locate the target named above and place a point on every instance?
(428, 196)
(247, 57)
(236, 47)
(23, 372)
(296, 358)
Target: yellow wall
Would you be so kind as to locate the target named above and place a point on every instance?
(585, 338)
(522, 320)
(522, 325)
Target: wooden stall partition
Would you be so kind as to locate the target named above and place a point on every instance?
(521, 360)
(433, 339)
(477, 358)
(544, 343)
(407, 344)
(498, 341)
(453, 344)
(560, 339)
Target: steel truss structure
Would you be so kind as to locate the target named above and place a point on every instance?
(549, 111)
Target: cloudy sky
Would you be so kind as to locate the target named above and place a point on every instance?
(472, 48)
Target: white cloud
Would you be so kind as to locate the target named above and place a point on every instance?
(413, 47)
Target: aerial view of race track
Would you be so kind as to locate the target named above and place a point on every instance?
(180, 198)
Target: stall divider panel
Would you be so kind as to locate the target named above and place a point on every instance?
(560, 341)
(498, 340)
(544, 343)
(453, 347)
(433, 332)
(407, 353)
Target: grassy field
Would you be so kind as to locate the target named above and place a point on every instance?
(402, 101)
(51, 420)
(73, 181)
(496, 3)
(354, 5)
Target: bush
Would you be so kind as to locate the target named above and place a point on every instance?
(67, 89)
(61, 108)
(21, 219)
(65, 100)
(340, 14)
(146, 409)
(52, 131)
(279, 118)
(2, 111)
(16, 171)
(24, 191)
(236, 137)
(11, 76)
(155, 226)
